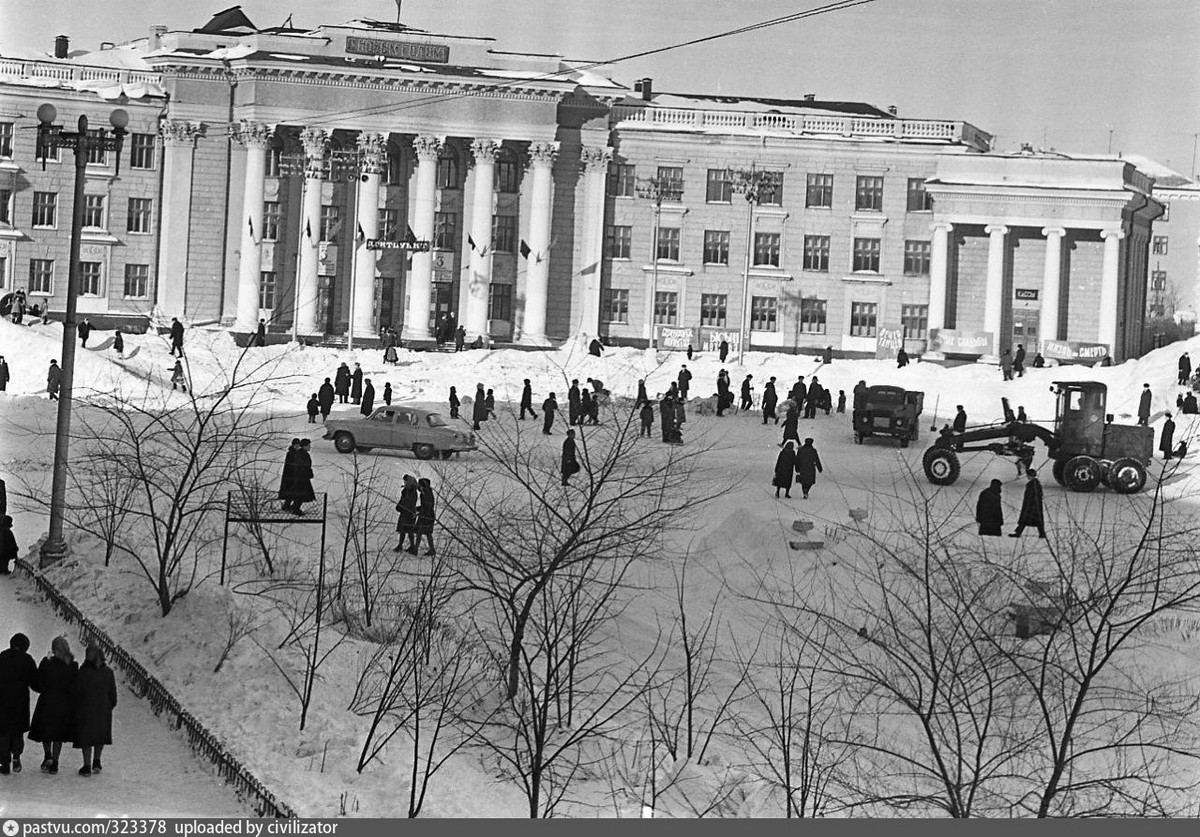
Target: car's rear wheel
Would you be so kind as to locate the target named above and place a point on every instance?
(343, 443)
(446, 454)
(425, 451)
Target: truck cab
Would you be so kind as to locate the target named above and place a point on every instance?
(889, 411)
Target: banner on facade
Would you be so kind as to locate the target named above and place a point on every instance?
(961, 341)
(676, 338)
(711, 337)
(1074, 351)
(888, 342)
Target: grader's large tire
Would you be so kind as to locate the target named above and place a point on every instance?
(1127, 476)
(1081, 473)
(1057, 470)
(941, 466)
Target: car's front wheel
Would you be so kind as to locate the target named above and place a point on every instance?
(446, 454)
(343, 443)
(424, 451)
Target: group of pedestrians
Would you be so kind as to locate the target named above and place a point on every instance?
(989, 509)
(417, 515)
(75, 704)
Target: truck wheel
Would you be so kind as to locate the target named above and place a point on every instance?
(1127, 476)
(424, 451)
(1057, 470)
(343, 443)
(941, 466)
(1081, 473)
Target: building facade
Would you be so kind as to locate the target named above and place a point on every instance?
(286, 172)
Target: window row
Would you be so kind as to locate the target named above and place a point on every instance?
(398, 168)
(721, 185)
(445, 228)
(141, 148)
(866, 251)
(91, 278)
(139, 218)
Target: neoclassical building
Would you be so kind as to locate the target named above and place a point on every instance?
(284, 172)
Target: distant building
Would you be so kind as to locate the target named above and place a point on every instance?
(1174, 261)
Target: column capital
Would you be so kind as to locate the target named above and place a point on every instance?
(428, 147)
(1107, 234)
(1054, 231)
(596, 158)
(484, 150)
(543, 153)
(180, 131)
(941, 226)
(995, 229)
(251, 134)
(314, 141)
(371, 148)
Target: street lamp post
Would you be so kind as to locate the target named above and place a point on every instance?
(751, 184)
(50, 137)
(656, 189)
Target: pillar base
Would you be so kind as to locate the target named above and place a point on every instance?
(53, 552)
(994, 360)
(417, 333)
(933, 355)
(535, 340)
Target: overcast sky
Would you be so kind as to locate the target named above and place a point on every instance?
(1064, 73)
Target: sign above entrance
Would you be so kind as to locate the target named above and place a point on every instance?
(405, 50)
(1074, 351)
(385, 244)
(1027, 293)
(960, 341)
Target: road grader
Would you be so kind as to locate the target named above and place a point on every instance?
(1086, 447)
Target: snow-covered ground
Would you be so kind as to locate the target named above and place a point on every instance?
(740, 537)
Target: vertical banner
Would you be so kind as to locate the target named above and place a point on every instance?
(888, 342)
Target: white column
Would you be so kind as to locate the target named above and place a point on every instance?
(595, 172)
(937, 281)
(1051, 284)
(420, 278)
(994, 294)
(175, 214)
(475, 319)
(255, 138)
(537, 275)
(314, 141)
(366, 212)
(1107, 332)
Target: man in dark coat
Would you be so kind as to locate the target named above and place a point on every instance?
(479, 411)
(798, 392)
(1006, 365)
(341, 383)
(812, 398)
(1166, 442)
(642, 397)
(647, 418)
(769, 399)
(827, 355)
(747, 400)
(1144, 406)
(722, 391)
(387, 393)
(93, 699)
(356, 384)
(1185, 369)
(527, 401)
(8, 545)
(989, 514)
(901, 358)
(295, 486)
(84, 329)
(570, 464)
(791, 425)
(406, 523)
(260, 335)
(549, 406)
(785, 469)
(960, 420)
(685, 381)
(1190, 407)
(53, 380)
(426, 515)
(1019, 361)
(4, 377)
(667, 418)
(314, 409)
(595, 348)
(585, 405)
(1031, 507)
(368, 399)
(1038, 361)
(808, 463)
(325, 398)
(3, 497)
(723, 350)
(176, 336)
(18, 674)
(573, 403)
(460, 338)
(859, 402)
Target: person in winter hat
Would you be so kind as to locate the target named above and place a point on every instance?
(685, 381)
(489, 401)
(960, 420)
(18, 674)
(841, 402)
(479, 410)
(119, 343)
(406, 523)
(647, 417)
(295, 485)
(8, 544)
(791, 425)
(314, 409)
(989, 512)
(570, 464)
(426, 516)
(642, 397)
(341, 383)
(1185, 369)
(51, 724)
(454, 403)
(901, 358)
(93, 699)
(53, 380)
(178, 377)
(1032, 513)
(723, 350)
(549, 407)
(368, 398)
(1144, 406)
(4, 377)
(770, 399)
(1166, 442)
(527, 401)
(808, 463)
(260, 334)
(356, 384)
(747, 390)
(1006, 365)
(176, 336)
(325, 398)
(1019, 361)
(785, 469)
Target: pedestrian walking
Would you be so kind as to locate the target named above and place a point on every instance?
(18, 674)
(387, 394)
(368, 398)
(960, 420)
(341, 383)
(51, 724)
(454, 403)
(1144, 406)
(827, 357)
(723, 350)
(808, 464)
(570, 464)
(314, 408)
(798, 392)
(685, 381)
(527, 401)
(770, 399)
(4, 376)
(406, 523)
(8, 543)
(176, 337)
(841, 404)
(723, 394)
(585, 406)
(593, 409)
(93, 699)
(1190, 407)
(1166, 442)
(989, 513)
(479, 410)
(1019, 361)
(549, 406)
(1006, 365)
(178, 377)
(785, 469)
(118, 344)
(295, 485)
(574, 403)
(1185, 369)
(901, 358)
(356, 384)
(84, 329)
(460, 339)
(647, 417)
(53, 380)
(858, 401)
(812, 399)
(791, 425)
(390, 356)
(1032, 513)
(747, 394)
(426, 516)
(666, 409)
(260, 334)
(489, 401)
(689, 351)
(325, 397)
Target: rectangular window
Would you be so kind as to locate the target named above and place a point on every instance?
(41, 276)
(89, 279)
(622, 180)
(3, 271)
(270, 221)
(914, 320)
(812, 315)
(393, 168)
(266, 289)
(862, 319)
(6, 139)
(916, 258)
(614, 305)
(866, 255)
(97, 154)
(6, 206)
(504, 233)
(447, 168)
(764, 311)
(819, 191)
(445, 230)
(868, 193)
(918, 199)
(770, 189)
(1158, 280)
(816, 253)
(500, 299)
(670, 182)
(1159, 246)
(667, 247)
(139, 218)
(766, 249)
(716, 246)
(618, 241)
(719, 188)
(712, 309)
(45, 209)
(141, 151)
(331, 221)
(666, 308)
(47, 151)
(508, 174)
(388, 220)
(93, 211)
(1166, 216)
(137, 281)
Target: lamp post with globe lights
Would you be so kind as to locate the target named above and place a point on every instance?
(83, 142)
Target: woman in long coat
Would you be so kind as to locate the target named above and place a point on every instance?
(368, 399)
(93, 699)
(479, 408)
(341, 383)
(989, 513)
(18, 674)
(1166, 442)
(808, 463)
(52, 715)
(406, 523)
(769, 399)
(426, 513)
(295, 486)
(791, 423)
(785, 469)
